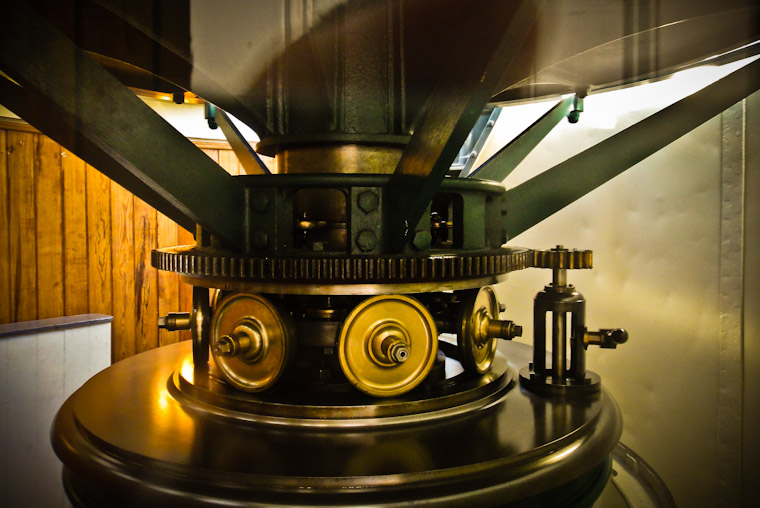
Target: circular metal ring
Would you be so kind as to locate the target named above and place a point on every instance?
(387, 345)
(477, 348)
(250, 341)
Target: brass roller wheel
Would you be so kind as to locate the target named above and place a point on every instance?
(388, 345)
(250, 341)
(477, 346)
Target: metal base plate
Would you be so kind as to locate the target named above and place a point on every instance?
(548, 386)
(129, 437)
(204, 391)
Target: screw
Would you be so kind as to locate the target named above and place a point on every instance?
(366, 240)
(368, 201)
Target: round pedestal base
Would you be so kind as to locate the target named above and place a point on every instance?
(137, 434)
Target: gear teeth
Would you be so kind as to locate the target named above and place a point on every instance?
(574, 259)
(194, 262)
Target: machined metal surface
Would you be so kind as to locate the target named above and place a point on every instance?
(336, 90)
(477, 348)
(149, 446)
(251, 341)
(456, 394)
(388, 345)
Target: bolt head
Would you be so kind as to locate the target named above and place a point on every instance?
(224, 346)
(368, 201)
(398, 352)
(366, 240)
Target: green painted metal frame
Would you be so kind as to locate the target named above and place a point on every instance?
(450, 112)
(482, 130)
(503, 162)
(540, 197)
(272, 216)
(249, 159)
(95, 116)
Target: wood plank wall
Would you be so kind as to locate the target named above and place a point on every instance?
(72, 241)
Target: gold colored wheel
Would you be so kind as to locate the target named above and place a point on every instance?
(250, 341)
(388, 345)
(478, 346)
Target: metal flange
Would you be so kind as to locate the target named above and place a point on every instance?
(251, 341)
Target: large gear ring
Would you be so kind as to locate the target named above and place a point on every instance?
(341, 275)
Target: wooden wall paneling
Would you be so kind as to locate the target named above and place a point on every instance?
(146, 277)
(72, 241)
(123, 255)
(75, 279)
(49, 213)
(99, 266)
(22, 231)
(5, 265)
(229, 161)
(168, 282)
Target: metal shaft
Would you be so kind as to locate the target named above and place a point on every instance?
(559, 325)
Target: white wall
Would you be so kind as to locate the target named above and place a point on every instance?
(38, 372)
(661, 272)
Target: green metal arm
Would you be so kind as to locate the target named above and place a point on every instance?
(538, 198)
(100, 120)
(503, 162)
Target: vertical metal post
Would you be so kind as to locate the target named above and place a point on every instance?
(559, 333)
(539, 338)
(577, 347)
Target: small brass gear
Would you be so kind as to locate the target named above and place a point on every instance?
(561, 258)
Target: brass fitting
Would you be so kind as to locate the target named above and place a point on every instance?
(245, 341)
(488, 328)
(175, 321)
(606, 338)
